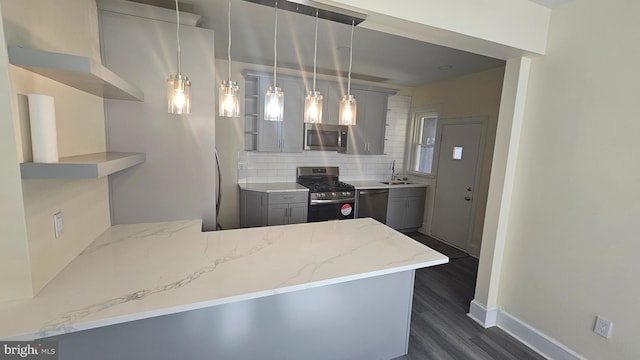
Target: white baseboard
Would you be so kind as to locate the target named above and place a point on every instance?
(526, 334)
(483, 316)
(536, 340)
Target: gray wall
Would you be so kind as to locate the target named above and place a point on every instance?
(177, 181)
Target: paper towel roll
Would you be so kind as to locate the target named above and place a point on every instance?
(42, 117)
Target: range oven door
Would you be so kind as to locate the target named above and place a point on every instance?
(323, 210)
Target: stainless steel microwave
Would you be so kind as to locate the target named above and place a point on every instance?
(325, 137)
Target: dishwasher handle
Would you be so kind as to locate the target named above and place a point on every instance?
(372, 192)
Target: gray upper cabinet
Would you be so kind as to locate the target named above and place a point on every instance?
(269, 135)
(293, 115)
(367, 136)
(285, 136)
(331, 94)
(331, 105)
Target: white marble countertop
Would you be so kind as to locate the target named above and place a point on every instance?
(272, 187)
(138, 271)
(374, 184)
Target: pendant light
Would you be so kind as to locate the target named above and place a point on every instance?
(178, 86)
(228, 102)
(274, 97)
(348, 104)
(313, 100)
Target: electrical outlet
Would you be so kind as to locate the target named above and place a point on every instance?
(58, 225)
(603, 327)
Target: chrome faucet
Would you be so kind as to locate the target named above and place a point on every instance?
(393, 170)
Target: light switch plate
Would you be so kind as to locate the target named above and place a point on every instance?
(58, 225)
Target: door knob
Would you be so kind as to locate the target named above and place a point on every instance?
(468, 188)
(467, 198)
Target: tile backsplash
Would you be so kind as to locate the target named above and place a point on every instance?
(255, 167)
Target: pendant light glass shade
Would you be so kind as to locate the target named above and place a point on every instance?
(228, 94)
(274, 104)
(313, 100)
(178, 86)
(313, 107)
(228, 102)
(274, 97)
(348, 104)
(178, 94)
(348, 110)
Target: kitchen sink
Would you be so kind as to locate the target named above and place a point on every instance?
(397, 182)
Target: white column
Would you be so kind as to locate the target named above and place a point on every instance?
(494, 237)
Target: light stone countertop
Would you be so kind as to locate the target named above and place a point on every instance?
(138, 271)
(374, 184)
(272, 187)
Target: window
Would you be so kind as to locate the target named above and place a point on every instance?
(423, 140)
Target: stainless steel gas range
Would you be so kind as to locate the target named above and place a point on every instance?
(329, 198)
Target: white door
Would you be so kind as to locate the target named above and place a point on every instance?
(456, 179)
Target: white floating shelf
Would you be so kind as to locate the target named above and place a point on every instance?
(80, 72)
(88, 166)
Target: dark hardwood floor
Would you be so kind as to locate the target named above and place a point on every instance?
(440, 327)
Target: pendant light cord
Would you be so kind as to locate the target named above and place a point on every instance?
(229, 43)
(315, 53)
(275, 46)
(350, 57)
(178, 36)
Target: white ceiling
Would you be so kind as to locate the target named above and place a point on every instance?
(377, 56)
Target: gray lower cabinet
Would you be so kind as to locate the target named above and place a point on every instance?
(259, 208)
(253, 208)
(405, 208)
(287, 208)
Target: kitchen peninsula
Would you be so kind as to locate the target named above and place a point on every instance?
(337, 289)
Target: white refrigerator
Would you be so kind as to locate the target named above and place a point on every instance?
(177, 181)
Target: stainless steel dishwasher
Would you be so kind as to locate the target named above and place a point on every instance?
(372, 203)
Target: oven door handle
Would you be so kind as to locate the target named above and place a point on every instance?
(332, 201)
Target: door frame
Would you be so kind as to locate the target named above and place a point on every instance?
(482, 120)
